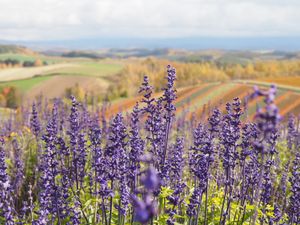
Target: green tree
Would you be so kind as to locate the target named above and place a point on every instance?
(12, 98)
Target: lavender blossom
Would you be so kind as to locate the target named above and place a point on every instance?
(249, 165)
(267, 124)
(34, 121)
(292, 133)
(99, 168)
(215, 121)
(294, 207)
(266, 193)
(169, 97)
(231, 134)
(176, 164)
(6, 202)
(125, 196)
(175, 200)
(95, 135)
(201, 155)
(146, 209)
(249, 134)
(229, 137)
(156, 135)
(154, 123)
(176, 160)
(73, 132)
(49, 203)
(115, 151)
(136, 146)
(18, 178)
(147, 91)
(116, 154)
(267, 121)
(195, 201)
(76, 213)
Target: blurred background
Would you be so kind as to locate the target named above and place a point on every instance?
(99, 51)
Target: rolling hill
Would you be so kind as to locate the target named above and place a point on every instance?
(16, 49)
(96, 75)
(60, 73)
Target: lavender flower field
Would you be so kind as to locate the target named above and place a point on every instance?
(71, 164)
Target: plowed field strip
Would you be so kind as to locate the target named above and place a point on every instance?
(240, 91)
(128, 104)
(204, 97)
(289, 107)
(181, 96)
(212, 96)
(195, 94)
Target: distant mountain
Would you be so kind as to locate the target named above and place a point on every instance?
(219, 56)
(16, 49)
(190, 43)
(185, 55)
(117, 53)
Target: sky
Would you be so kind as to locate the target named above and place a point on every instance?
(76, 19)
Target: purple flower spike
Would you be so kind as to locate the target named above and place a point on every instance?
(144, 210)
(294, 208)
(34, 121)
(150, 180)
(6, 201)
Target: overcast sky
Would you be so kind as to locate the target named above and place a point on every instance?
(75, 19)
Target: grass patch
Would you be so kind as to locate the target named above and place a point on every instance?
(25, 84)
(24, 57)
(20, 57)
(94, 69)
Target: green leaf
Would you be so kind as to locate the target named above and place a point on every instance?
(166, 192)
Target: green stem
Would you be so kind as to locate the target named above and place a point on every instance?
(111, 203)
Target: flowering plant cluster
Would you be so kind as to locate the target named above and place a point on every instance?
(66, 164)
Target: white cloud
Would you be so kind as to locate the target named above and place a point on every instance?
(65, 19)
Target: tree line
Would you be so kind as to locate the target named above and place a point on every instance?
(10, 63)
(127, 81)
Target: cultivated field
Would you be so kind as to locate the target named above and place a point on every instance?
(56, 85)
(52, 80)
(208, 96)
(97, 75)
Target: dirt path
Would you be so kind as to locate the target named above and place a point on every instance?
(23, 73)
